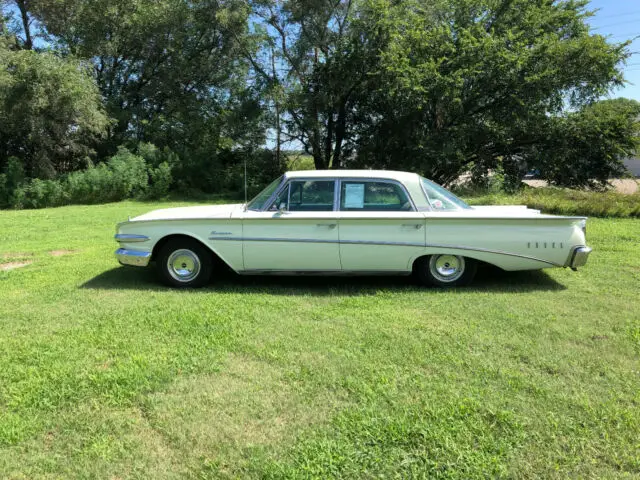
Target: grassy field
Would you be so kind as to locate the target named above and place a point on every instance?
(106, 374)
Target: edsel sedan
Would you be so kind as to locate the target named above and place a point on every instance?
(350, 222)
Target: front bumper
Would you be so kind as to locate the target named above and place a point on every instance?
(133, 257)
(579, 257)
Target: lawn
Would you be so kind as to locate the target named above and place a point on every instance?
(106, 374)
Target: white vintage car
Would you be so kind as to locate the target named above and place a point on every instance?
(350, 222)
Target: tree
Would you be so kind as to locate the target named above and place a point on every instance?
(439, 87)
(469, 84)
(586, 148)
(324, 58)
(50, 112)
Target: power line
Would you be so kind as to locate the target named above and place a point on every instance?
(616, 24)
(617, 15)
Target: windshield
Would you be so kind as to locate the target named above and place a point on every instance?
(259, 200)
(440, 198)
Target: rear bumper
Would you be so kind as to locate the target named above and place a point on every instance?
(579, 257)
(133, 257)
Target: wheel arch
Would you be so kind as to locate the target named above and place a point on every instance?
(466, 254)
(164, 240)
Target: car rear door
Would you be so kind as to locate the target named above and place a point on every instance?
(380, 229)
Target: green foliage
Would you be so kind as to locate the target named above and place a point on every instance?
(479, 83)
(586, 148)
(161, 180)
(50, 112)
(125, 175)
(564, 201)
(10, 179)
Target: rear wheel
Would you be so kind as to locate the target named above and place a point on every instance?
(184, 262)
(446, 270)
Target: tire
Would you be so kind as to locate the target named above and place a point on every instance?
(445, 270)
(184, 263)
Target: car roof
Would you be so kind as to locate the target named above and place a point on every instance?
(382, 174)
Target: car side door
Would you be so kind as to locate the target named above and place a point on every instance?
(380, 228)
(298, 231)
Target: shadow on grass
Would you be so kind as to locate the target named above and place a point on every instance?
(488, 279)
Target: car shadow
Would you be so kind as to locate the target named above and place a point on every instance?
(488, 279)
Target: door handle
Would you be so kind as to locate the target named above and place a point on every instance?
(417, 226)
(328, 225)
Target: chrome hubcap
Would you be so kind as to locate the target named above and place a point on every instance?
(183, 265)
(446, 268)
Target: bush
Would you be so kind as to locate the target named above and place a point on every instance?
(38, 193)
(12, 178)
(562, 201)
(123, 176)
(161, 180)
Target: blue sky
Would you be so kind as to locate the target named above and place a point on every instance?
(621, 20)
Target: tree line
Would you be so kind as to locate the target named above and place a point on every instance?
(440, 87)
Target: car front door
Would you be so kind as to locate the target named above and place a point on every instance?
(380, 229)
(297, 232)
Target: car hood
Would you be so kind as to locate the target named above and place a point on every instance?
(190, 213)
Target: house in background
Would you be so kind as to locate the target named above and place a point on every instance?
(633, 165)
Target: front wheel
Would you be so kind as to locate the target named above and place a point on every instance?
(446, 270)
(184, 263)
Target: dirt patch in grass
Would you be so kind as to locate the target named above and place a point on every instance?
(61, 253)
(5, 267)
(15, 255)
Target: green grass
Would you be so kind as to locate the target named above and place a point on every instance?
(106, 374)
(564, 201)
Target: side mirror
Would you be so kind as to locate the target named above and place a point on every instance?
(282, 208)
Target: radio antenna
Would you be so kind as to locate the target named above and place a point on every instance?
(245, 182)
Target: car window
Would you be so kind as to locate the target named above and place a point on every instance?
(259, 200)
(306, 196)
(440, 198)
(373, 196)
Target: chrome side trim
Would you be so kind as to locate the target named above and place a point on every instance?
(324, 272)
(130, 238)
(396, 244)
(133, 257)
(497, 252)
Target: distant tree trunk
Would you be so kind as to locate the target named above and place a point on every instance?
(24, 14)
(277, 108)
(340, 131)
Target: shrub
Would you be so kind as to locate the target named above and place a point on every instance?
(161, 180)
(12, 178)
(562, 201)
(123, 176)
(37, 193)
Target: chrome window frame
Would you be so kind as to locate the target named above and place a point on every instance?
(272, 198)
(374, 180)
(338, 189)
(286, 185)
(426, 195)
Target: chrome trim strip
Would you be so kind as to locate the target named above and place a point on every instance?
(258, 271)
(487, 250)
(337, 194)
(133, 257)
(395, 244)
(130, 238)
